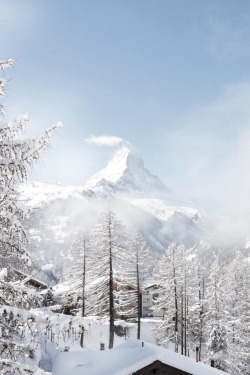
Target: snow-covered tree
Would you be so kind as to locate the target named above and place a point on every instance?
(169, 296)
(183, 277)
(216, 319)
(180, 299)
(77, 274)
(17, 156)
(106, 246)
(236, 309)
(137, 262)
(197, 305)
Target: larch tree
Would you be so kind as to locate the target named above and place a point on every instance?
(169, 297)
(197, 305)
(215, 317)
(236, 309)
(17, 156)
(77, 274)
(137, 262)
(106, 246)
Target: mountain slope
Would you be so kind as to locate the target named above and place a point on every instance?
(140, 199)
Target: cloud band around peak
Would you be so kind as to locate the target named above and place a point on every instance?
(104, 140)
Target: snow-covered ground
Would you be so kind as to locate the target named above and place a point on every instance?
(65, 331)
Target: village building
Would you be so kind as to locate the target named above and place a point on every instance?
(131, 358)
(17, 275)
(149, 296)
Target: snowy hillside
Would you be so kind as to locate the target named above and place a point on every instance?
(39, 194)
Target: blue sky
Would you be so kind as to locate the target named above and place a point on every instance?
(171, 77)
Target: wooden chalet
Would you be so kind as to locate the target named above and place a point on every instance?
(17, 275)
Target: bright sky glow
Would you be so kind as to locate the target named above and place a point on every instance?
(171, 77)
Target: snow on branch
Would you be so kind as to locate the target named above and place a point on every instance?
(6, 64)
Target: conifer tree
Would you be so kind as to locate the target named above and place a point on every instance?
(169, 297)
(106, 246)
(236, 308)
(137, 262)
(78, 274)
(17, 156)
(197, 305)
(216, 320)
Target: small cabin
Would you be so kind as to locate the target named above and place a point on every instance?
(131, 358)
(14, 274)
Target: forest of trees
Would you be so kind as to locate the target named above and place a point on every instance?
(105, 262)
(205, 305)
(204, 296)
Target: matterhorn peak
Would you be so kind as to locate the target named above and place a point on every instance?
(125, 172)
(125, 156)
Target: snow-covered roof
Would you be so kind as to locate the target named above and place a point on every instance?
(29, 279)
(125, 360)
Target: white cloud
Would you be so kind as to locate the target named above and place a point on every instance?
(104, 140)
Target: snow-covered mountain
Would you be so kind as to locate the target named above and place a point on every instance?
(125, 172)
(140, 199)
(126, 179)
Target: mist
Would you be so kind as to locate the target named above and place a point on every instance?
(215, 140)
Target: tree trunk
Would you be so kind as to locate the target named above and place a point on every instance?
(82, 337)
(83, 282)
(185, 316)
(182, 316)
(201, 297)
(176, 314)
(185, 322)
(111, 294)
(138, 303)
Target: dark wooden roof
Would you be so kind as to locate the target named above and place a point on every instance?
(159, 368)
